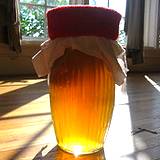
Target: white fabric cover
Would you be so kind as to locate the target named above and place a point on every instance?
(107, 50)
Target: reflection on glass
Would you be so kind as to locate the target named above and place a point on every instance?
(58, 154)
(32, 20)
(57, 2)
(33, 1)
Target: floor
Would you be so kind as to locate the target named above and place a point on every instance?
(26, 131)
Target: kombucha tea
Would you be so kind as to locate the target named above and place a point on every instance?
(82, 99)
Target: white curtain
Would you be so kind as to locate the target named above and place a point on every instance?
(150, 23)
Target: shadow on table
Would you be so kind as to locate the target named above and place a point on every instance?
(57, 154)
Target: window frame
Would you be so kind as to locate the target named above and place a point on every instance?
(38, 39)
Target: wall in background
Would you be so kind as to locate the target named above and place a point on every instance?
(151, 61)
(11, 64)
(22, 64)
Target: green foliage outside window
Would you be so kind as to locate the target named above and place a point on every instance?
(122, 36)
(32, 16)
(32, 21)
(33, 1)
(57, 2)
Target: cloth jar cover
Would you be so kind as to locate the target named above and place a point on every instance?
(91, 30)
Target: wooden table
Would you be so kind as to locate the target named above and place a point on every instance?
(26, 131)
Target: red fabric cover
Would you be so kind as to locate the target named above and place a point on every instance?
(72, 21)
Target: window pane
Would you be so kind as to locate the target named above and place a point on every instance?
(57, 2)
(114, 4)
(49, 8)
(122, 39)
(101, 3)
(32, 20)
(118, 6)
(33, 1)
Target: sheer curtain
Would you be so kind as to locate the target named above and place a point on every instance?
(3, 22)
(142, 26)
(151, 23)
(14, 35)
(134, 25)
(10, 26)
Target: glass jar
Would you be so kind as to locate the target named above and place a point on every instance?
(82, 91)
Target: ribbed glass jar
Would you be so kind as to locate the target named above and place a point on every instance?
(82, 93)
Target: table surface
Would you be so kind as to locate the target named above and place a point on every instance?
(26, 130)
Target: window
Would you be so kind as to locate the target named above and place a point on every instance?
(33, 13)
(119, 7)
(32, 16)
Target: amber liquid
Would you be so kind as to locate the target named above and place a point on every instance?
(82, 100)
